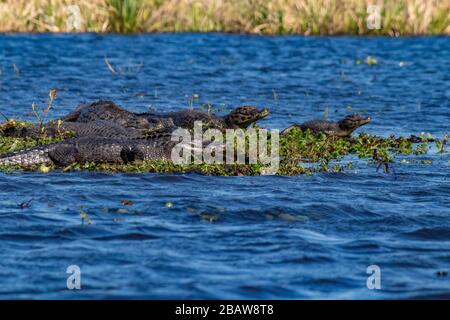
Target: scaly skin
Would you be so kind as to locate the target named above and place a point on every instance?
(105, 119)
(105, 110)
(89, 149)
(241, 117)
(342, 128)
(28, 157)
(109, 111)
(99, 128)
(107, 133)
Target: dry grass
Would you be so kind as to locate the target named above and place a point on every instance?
(412, 17)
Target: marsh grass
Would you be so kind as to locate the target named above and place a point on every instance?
(125, 15)
(334, 17)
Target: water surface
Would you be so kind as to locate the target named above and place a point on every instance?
(270, 237)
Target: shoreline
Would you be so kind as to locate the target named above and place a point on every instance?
(267, 17)
(244, 34)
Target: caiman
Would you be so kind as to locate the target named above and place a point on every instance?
(106, 111)
(106, 119)
(98, 128)
(91, 149)
(240, 117)
(341, 128)
(106, 133)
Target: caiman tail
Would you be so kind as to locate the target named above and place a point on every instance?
(27, 157)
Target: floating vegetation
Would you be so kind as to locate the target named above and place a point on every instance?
(10, 144)
(301, 152)
(85, 218)
(441, 145)
(370, 61)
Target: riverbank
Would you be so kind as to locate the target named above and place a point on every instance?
(308, 17)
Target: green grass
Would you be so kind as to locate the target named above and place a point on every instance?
(125, 15)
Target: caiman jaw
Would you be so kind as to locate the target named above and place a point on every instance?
(244, 120)
(257, 115)
(262, 113)
(365, 121)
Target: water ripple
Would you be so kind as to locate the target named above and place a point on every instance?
(231, 237)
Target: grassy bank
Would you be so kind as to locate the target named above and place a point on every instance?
(334, 17)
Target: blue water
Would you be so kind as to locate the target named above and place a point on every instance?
(271, 237)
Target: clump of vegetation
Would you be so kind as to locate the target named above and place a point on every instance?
(12, 124)
(296, 148)
(124, 15)
(304, 146)
(85, 218)
(10, 144)
(398, 17)
(15, 128)
(301, 152)
(442, 144)
(370, 61)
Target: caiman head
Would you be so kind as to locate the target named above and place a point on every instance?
(244, 116)
(136, 123)
(352, 122)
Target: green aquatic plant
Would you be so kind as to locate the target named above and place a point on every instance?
(85, 218)
(193, 97)
(40, 114)
(301, 146)
(125, 15)
(442, 144)
(10, 144)
(304, 146)
(168, 204)
(369, 60)
(300, 152)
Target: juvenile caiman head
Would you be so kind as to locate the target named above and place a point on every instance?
(352, 122)
(150, 125)
(136, 122)
(244, 116)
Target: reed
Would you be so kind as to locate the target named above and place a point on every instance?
(322, 17)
